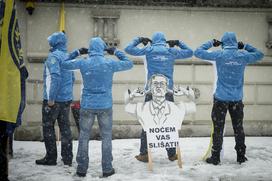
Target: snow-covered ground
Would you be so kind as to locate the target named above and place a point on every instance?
(259, 166)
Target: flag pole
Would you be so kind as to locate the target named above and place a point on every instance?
(62, 17)
(61, 28)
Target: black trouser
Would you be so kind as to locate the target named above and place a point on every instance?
(236, 112)
(3, 152)
(143, 148)
(60, 112)
(76, 114)
(10, 143)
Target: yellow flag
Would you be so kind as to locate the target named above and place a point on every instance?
(62, 18)
(11, 58)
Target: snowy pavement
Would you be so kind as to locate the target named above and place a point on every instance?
(258, 168)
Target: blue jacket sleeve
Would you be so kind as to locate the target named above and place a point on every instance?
(73, 54)
(203, 52)
(183, 52)
(123, 64)
(72, 64)
(253, 54)
(53, 66)
(132, 48)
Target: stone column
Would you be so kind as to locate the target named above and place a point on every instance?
(269, 41)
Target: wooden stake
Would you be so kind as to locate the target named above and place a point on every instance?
(150, 166)
(179, 157)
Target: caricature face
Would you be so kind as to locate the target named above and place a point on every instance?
(158, 86)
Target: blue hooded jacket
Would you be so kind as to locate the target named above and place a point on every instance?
(230, 64)
(58, 83)
(97, 74)
(160, 58)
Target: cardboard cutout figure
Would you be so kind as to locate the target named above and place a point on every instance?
(161, 119)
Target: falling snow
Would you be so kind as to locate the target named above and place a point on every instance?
(23, 168)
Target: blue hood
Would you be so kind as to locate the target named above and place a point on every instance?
(58, 41)
(230, 66)
(97, 46)
(229, 40)
(158, 38)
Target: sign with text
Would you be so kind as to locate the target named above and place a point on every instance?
(162, 137)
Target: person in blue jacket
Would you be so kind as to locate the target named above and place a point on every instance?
(160, 59)
(57, 96)
(230, 64)
(96, 100)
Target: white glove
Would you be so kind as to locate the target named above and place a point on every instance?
(179, 91)
(190, 93)
(196, 92)
(129, 96)
(139, 92)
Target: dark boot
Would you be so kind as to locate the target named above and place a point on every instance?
(241, 158)
(81, 174)
(171, 153)
(214, 159)
(107, 174)
(173, 158)
(46, 161)
(241, 151)
(142, 158)
(68, 163)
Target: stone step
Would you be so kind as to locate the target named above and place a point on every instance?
(252, 128)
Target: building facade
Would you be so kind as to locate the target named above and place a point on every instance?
(118, 22)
